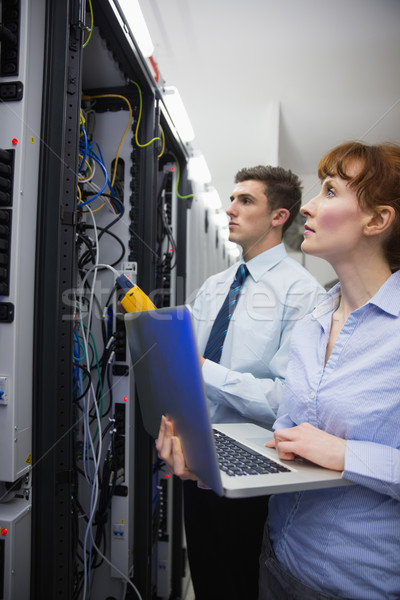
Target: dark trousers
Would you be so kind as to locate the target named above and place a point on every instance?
(278, 584)
(224, 542)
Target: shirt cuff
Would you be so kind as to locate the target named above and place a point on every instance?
(367, 460)
(283, 422)
(213, 373)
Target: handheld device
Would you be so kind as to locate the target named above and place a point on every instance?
(135, 299)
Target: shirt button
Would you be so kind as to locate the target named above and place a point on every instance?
(311, 395)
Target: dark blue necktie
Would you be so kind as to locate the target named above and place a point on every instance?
(216, 340)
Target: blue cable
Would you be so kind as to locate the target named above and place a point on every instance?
(84, 148)
(95, 158)
(98, 158)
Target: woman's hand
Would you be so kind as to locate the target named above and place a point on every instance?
(311, 443)
(170, 451)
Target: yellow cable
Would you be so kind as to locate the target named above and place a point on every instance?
(98, 208)
(82, 120)
(80, 202)
(163, 143)
(126, 130)
(86, 177)
(91, 24)
(178, 176)
(80, 199)
(138, 122)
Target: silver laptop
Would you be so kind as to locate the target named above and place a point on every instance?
(169, 382)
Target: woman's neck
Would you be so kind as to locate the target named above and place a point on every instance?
(359, 282)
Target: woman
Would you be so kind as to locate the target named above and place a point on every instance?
(341, 407)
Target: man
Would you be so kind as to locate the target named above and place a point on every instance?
(245, 381)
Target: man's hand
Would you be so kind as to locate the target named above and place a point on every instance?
(170, 451)
(311, 443)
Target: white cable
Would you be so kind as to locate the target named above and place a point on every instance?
(98, 266)
(93, 502)
(85, 404)
(95, 189)
(92, 479)
(123, 576)
(88, 179)
(95, 272)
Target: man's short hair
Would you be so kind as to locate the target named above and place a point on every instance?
(282, 188)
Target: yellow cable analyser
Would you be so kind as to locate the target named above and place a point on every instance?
(135, 299)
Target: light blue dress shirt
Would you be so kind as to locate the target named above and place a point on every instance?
(247, 384)
(346, 541)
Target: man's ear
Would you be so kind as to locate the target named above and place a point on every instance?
(280, 216)
(380, 220)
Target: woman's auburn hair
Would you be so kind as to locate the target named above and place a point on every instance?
(376, 182)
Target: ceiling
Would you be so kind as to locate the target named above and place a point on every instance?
(279, 81)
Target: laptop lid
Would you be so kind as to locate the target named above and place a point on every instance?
(169, 382)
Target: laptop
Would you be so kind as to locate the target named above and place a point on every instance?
(168, 380)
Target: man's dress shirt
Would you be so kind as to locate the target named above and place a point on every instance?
(247, 384)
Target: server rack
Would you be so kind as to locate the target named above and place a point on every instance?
(53, 478)
(52, 547)
(38, 300)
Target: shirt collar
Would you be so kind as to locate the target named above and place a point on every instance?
(386, 298)
(329, 303)
(265, 261)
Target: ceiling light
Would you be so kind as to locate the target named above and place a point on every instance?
(211, 198)
(198, 169)
(221, 220)
(135, 20)
(178, 114)
(232, 249)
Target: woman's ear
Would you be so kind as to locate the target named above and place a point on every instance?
(380, 220)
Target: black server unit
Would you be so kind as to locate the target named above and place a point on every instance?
(98, 492)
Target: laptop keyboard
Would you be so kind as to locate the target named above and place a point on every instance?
(235, 459)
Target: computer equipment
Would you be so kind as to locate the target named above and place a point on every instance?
(169, 382)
